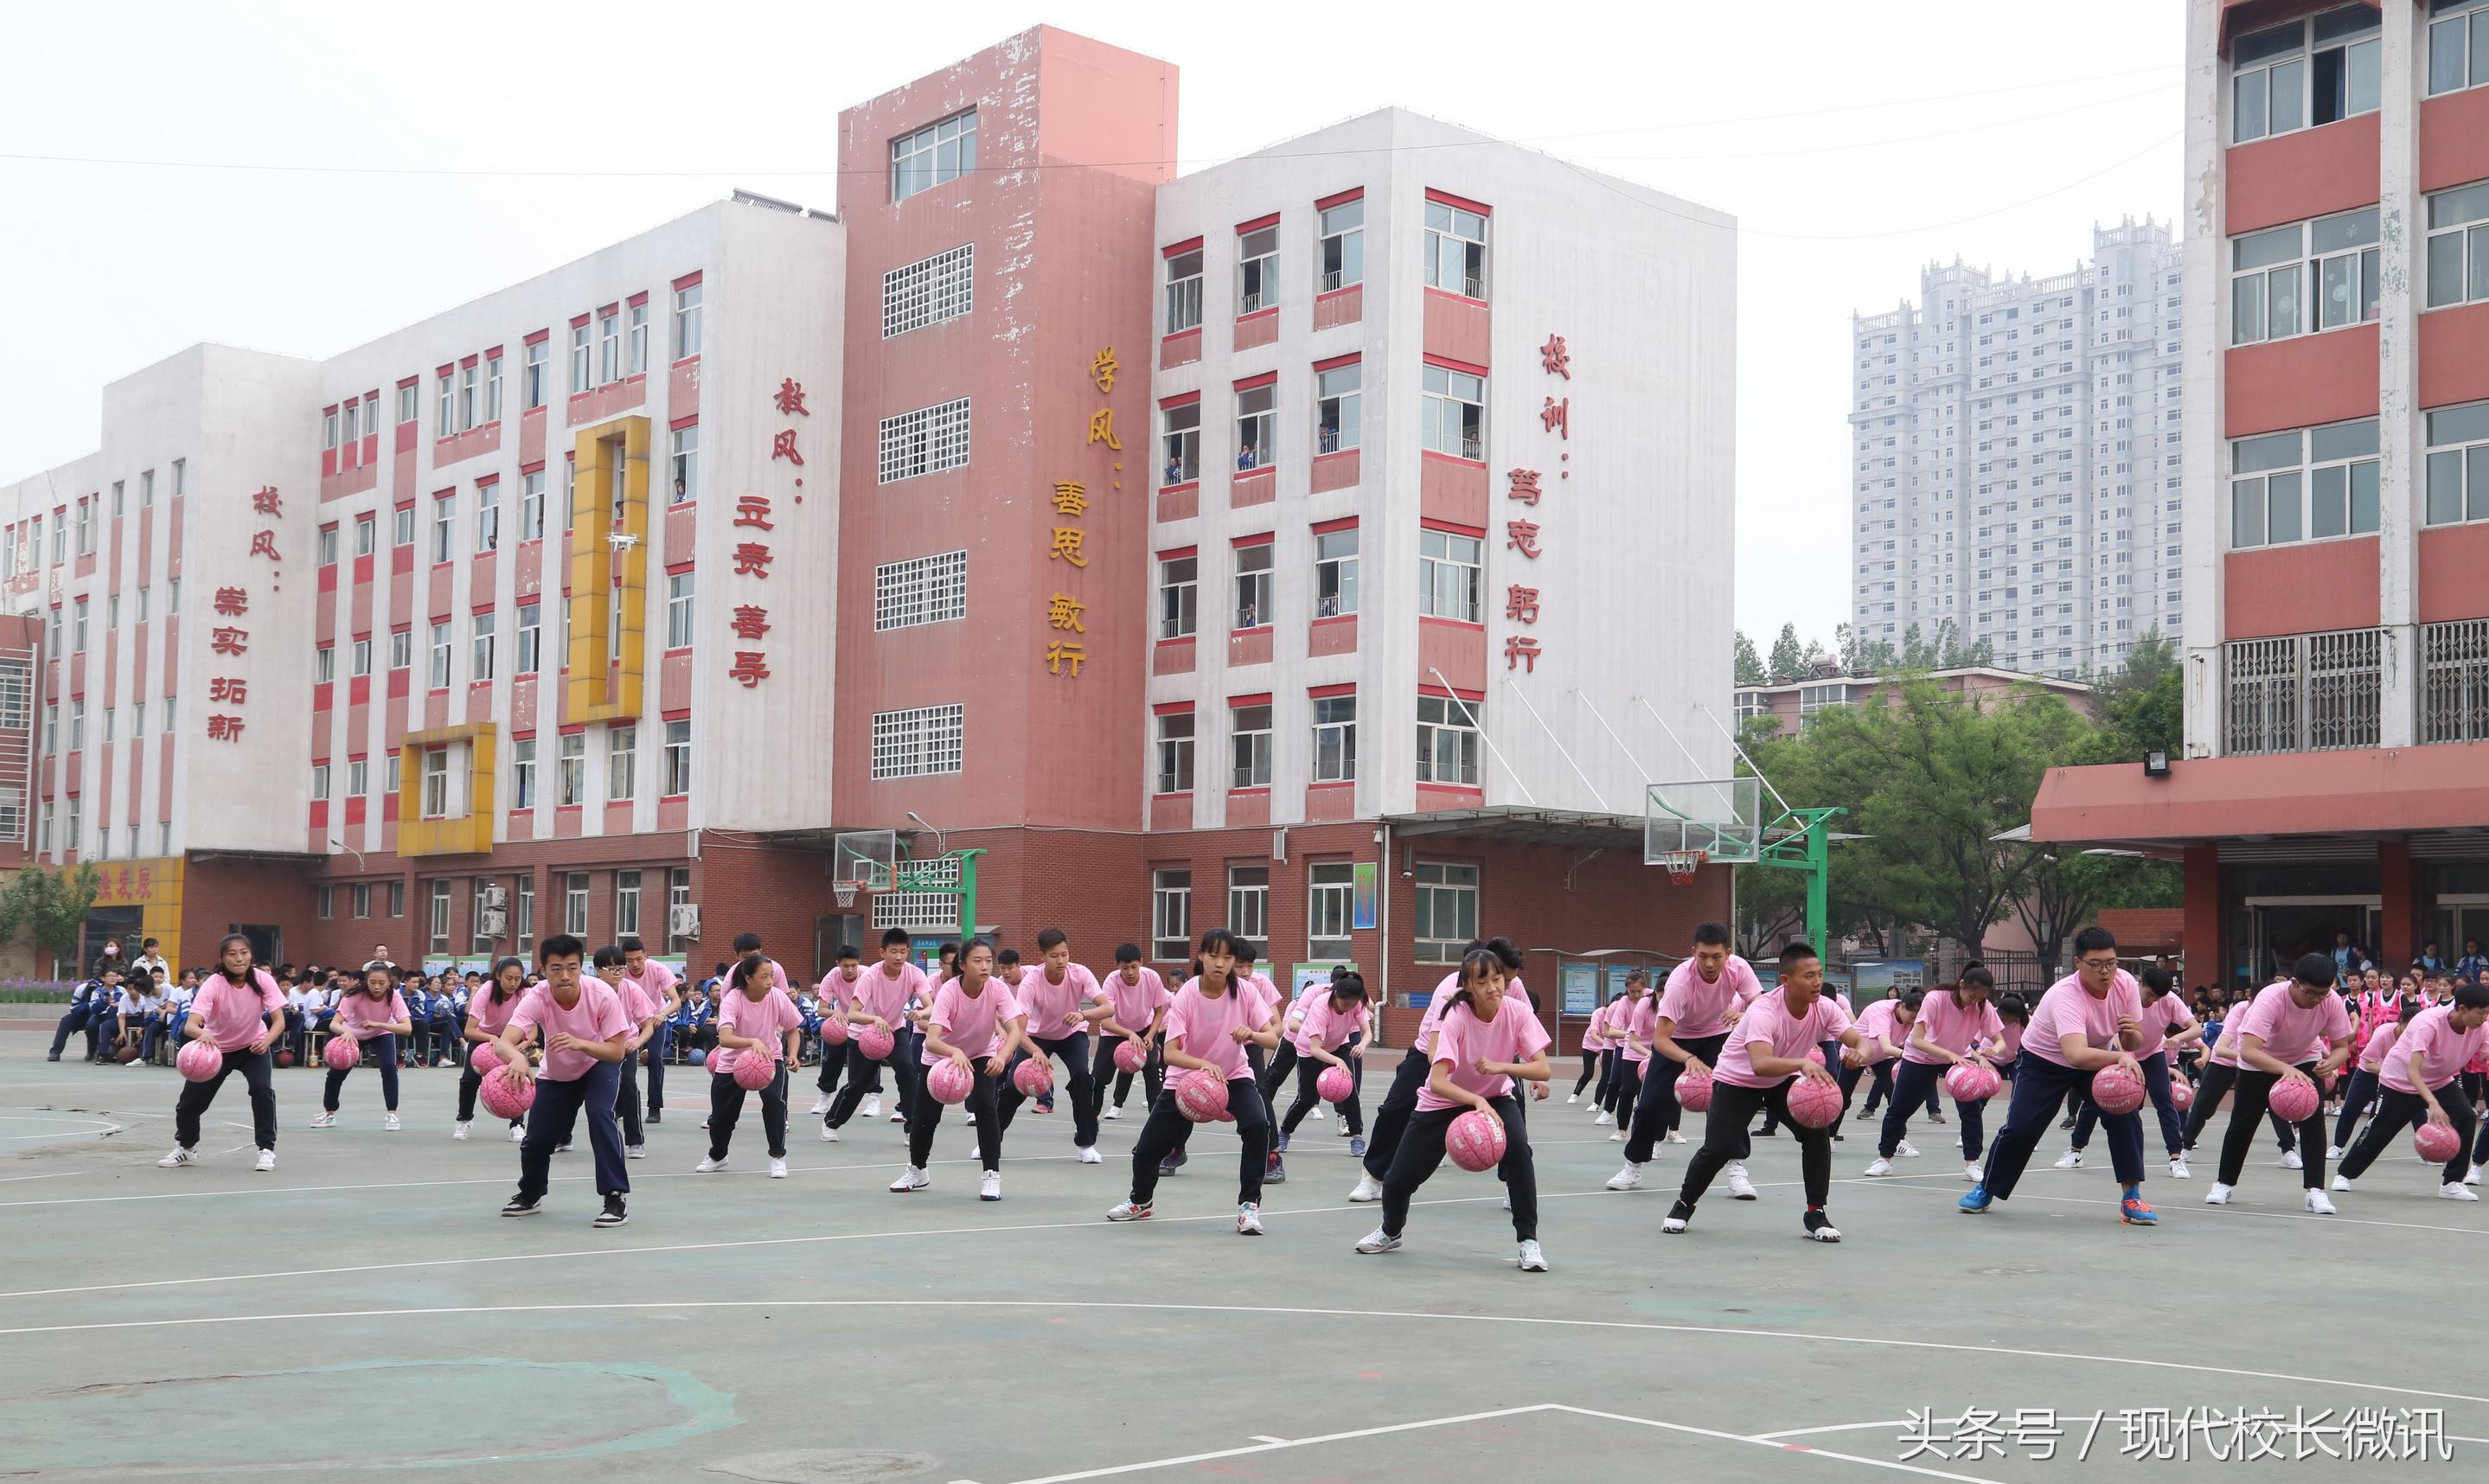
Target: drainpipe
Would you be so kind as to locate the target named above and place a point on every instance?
(1382, 916)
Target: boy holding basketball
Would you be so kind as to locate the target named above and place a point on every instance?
(2277, 1042)
(585, 1034)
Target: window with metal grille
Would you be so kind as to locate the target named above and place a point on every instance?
(923, 441)
(915, 911)
(922, 589)
(917, 742)
(2303, 693)
(1170, 915)
(927, 292)
(2454, 681)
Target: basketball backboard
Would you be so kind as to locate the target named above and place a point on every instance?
(869, 858)
(1722, 818)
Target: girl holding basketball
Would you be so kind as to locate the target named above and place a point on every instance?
(643, 1009)
(238, 1011)
(754, 1021)
(1138, 999)
(1955, 1026)
(2365, 1074)
(974, 1026)
(1333, 1035)
(1212, 1018)
(375, 1016)
(2422, 1078)
(486, 1015)
(1486, 1038)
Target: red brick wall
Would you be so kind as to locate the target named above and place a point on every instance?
(220, 895)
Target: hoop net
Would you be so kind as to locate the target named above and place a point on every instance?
(1680, 865)
(845, 892)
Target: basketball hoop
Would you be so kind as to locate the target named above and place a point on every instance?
(1681, 864)
(845, 892)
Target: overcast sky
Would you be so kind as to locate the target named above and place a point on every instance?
(1855, 143)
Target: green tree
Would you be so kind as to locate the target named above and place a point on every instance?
(1864, 656)
(1750, 665)
(50, 907)
(2147, 661)
(1789, 654)
(1918, 651)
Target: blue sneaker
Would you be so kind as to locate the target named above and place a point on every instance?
(1357, 1147)
(1976, 1202)
(2133, 1212)
(1283, 1143)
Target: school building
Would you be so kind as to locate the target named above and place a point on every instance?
(1332, 543)
(2335, 773)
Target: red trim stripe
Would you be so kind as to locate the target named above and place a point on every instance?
(1351, 359)
(1179, 552)
(1172, 708)
(1259, 699)
(1179, 249)
(1450, 364)
(686, 281)
(1266, 378)
(1325, 527)
(1179, 399)
(1447, 198)
(1257, 224)
(1322, 692)
(1474, 698)
(539, 337)
(1454, 527)
(1353, 193)
(1265, 538)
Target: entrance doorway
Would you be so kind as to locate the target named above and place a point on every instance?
(2455, 918)
(2278, 929)
(266, 943)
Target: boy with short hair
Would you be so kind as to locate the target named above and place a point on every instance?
(584, 1033)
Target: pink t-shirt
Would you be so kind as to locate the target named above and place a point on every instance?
(1462, 1039)
(768, 1019)
(637, 1006)
(1047, 1003)
(877, 993)
(2381, 1045)
(2161, 1020)
(2442, 1051)
(1769, 1020)
(1136, 1003)
(2289, 1033)
(1594, 1035)
(232, 1014)
(1949, 1026)
(357, 1012)
(597, 1015)
(2068, 1009)
(483, 1015)
(1700, 1006)
(653, 980)
(971, 1023)
(2013, 1039)
(1198, 1026)
(1435, 1003)
(1642, 1023)
(1326, 1027)
(1879, 1023)
(1269, 992)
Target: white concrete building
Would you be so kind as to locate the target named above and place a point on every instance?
(2014, 458)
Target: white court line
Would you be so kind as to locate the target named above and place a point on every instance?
(1786, 1447)
(1265, 1437)
(1837, 1427)
(1261, 1311)
(54, 1175)
(1274, 1446)
(1900, 1183)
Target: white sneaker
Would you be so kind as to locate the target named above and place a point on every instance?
(990, 1189)
(1572, 1098)
(2453, 1192)
(177, 1159)
(1973, 1173)
(1532, 1259)
(2178, 1169)
(1378, 1241)
(518, 1134)
(267, 1161)
(1117, 1111)
(2472, 1176)
(1602, 1121)
(2070, 1159)
(709, 1166)
(1627, 1179)
(1126, 1210)
(972, 1120)
(2319, 1204)
(2289, 1161)
(1617, 1137)
(910, 1178)
(459, 1132)
(1739, 1185)
(1368, 1188)
(1249, 1220)
(1882, 1166)
(1318, 1114)
(776, 1169)
(829, 1135)
(635, 1151)
(1089, 1155)
(1674, 1137)
(2219, 1195)
(1508, 1201)
(1906, 1150)
(872, 1105)
(324, 1120)
(388, 1121)
(898, 1117)
(2332, 1151)
(2341, 1182)
(821, 1104)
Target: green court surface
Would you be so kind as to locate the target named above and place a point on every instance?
(364, 1308)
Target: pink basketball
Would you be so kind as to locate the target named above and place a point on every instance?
(875, 1042)
(1033, 1077)
(343, 1053)
(949, 1082)
(200, 1061)
(1813, 1105)
(1475, 1141)
(753, 1071)
(1201, 1096)
(1130, 1056)
(503, 1100)
(2116, 1090)
(2181, 1094)
(484, 1059)
(1641, 1068)
(713, 1058)
(834, 1033)
(2293, 1097)
(2437, 1143)
(1694, 1090)
(1815, 1054)
(1335, 1084)
(1971, 1082)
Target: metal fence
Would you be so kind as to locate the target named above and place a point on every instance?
(2302, 692)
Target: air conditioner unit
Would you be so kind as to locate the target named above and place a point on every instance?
(489, 924)
(493, 899)
(683, 922)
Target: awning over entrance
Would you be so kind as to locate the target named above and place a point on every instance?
(2368, 791)
(1521, 825)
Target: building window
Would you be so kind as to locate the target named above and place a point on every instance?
(493, 389)
(1455, 418)
(401, 648)
(444, 389)
(626, 903)
(1446, 911)
(2454, 681)
(572, 774)
(390, 778)
(2458, 44)
(678, 609)
(1253, 577)
(362, 896)
(1335, 572)
(1448, 741)
(2458, 463)
(363, 652)
(2283, 78)
(686, 464)
(86, 527)
(2303, 486)
(445, 524)
(1257, 270)
(525, 918)
(435, 782)
(1183, 292)
(367, 535)
(574, 903)
(1170, 915)
(679, 757)
(1452, 576)
(440, 678)
(402, 526)
(319, 770)
(1180, 437)
(2270, 273)
(487, 638)
(397, 898)
(933, 154)
(687, 322)
(678, 896)
(2303, 693)
(531, 511)
(488, 518)
(1248, 729)
(637, 358)
(608, 346)
(583, 358)
(621, 764)
(1258, 427)
(523, 773)
(920, 591)
(533, 370)
(1455, 250)
(1337, 397)
(1249, 902)
(324, 664)
(1334, 739)
(77, 627)
(923, 441)
(468, 404)
(1343, 245)
(1178, 592)
(1331, 905)
(2458, 244)
(929, 291)
(439, 918)
(918, 742)
(1175, 752)
(327, 546)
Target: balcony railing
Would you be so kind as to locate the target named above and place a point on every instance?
(2454, 681)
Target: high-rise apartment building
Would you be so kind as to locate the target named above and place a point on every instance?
(2014, 449)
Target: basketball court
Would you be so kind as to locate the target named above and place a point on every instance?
(365, 1308)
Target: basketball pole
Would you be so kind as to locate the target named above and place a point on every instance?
(1813, 837)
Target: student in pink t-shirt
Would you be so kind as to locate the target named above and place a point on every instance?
(832, 996)
(2168, 1026)
(1766, 1055)
(1686, 1024)
(1486, 1038)
(1138, 999)
(1212, 1020)
(1633, 1011)
(664, 989)
(2422, 1077)
(640, 1008)
(1333, 1035)
(1062, 1000)
(1392, 1118)
(2276, 1040)
(880, 997)
(486, 1014)
(974, 1024)
(754, 1020)
(1950, 1025)
(2374, 1048)
(375, 1016)
(579, 1019)
(238, 1011)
